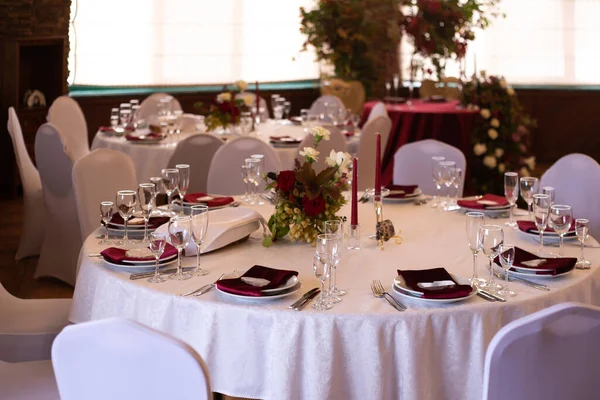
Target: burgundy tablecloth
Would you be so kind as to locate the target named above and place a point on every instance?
(441, 121)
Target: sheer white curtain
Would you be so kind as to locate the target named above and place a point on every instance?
(183, 42)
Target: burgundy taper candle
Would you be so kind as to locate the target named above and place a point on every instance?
(354, 214)
(257, 101)
(378, 166)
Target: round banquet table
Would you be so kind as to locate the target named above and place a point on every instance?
(362, 348)
(446, 122)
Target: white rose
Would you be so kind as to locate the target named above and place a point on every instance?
(310, 154)
(340, 159)
(501, 168)
(510, 91)
(503, 84)
(530, 162)
(479, 149)
(249, 101)
(320, 131)
(225, 96)
(242, 85)
(485, 113)
(495, 123)
(331, 159)
(493, 134)
(489, 161)
(524, 172)
(499, 152)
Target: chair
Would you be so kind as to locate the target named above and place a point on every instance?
(576, 178)
(412, 164)
(430, 88)
(197, 151)
(62, 238)
(32, 233)
(29, 327)
(97, 177)
(366, 148)
(122, 360)
(225, 175)
(32, 380)
(264, 115)
(378, 110)
(149, 105)
(551, 354)
(336, 142)
(452, 88)
(351, 93)
(66, 115)
(318, 107)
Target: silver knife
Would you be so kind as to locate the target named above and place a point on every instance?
(492, 295)
(485, 296)
(525, 282)
(142, 275)
(307, 300)
(304, 297)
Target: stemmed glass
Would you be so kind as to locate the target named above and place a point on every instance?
(541, 208)
(511, 192)
(396, 83)
(157, 180)
(180, 233)
(106, 212)
(125, 117)
(287, 107)
(145, 197)
(258, 171)
(550, 191)
(582, 228)
(507, 257)
(254, 175)
(246, 173)
(492, 238)
(274, 97)
(456, 180)
(529, 186)
(184, 181)
(475, 220)
(158, 241)
(199, 216)
(561, 217)
(436, 173)
(321, 269)
(114, 118)
(170, 178)
(246, 122)
(447, 172)
(126, 201)
(336, 228)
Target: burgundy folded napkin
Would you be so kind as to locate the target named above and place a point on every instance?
(557, 265)
(412, 278)
(277, 277)
(215, 202)
(407, 189)
(529, 226)
(111, 129)
(284, 139)
(501, 200)
(153, 223)
(117, 256)
(149, 136)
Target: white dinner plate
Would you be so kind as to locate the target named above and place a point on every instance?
(266, 298)
(187, 206)
(290, 283)
(404, 291)
(492, 210)
(150, 261)
(406, 198)
(550, 236)
(535, 276)
(132, 233)
(145, 266)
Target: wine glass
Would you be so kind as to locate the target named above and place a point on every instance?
(321, 270)
(158, 241)
(304, 118)
(396, 83)
(279, 108)
(254, 175)
(550, 191)
(507, 257)
(170, 179)
(273, 98)
(582, 228)
(246, 172)
(125, 117)
(287, 107)
(529, 186)
(561, 216)
(246, 122)
(199, 216)
(475, 220)
(492, 238)
(456, 180)
(511, 192)
(180, 233)
(388, 87)
(184, 181)
(145, 197)
(157, 180)
(436, 173)
(126, 201)
(258, 171)
(448, 169)
(541, 208)
(178, 114)
(114, 118)
(107, 209)
(336, 228)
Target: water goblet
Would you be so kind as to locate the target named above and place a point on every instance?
(273, 98)
(436, 173)
(126, 201)
(178, 114)
(180, 234)
(448, 169)
(287, 107)
(507, 257)
(254, 177)
(157, 180)
(529, 186)
(258, 171)
(278, 111)
(336, 228)
(145, 197)
(321, 270)
(184, 181)
(125, 117)
(550, 191)
(170, 180)
(304, 118)
(561, 216)
(158, 241)
(246, 172)
(246, 122)
(396, 83)
(541, 209)
(475, 220)
(492, 238)
(107, 209)
(199, 223)
(456, 181)
(511, 192)
(582, 228)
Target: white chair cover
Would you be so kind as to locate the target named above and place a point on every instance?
(197, 151)
(29, 326)
(28, 381)
(263, 104)
(119, 359)
(66, 115)
(149, 105)
(576, 178)
(551, 354)
(62, 239)
(367, 147)
(318, 107)
(32, 233)
(336, 142)
(97, 177)
(378, 110)
(225, 173)
(188, 122)
(412, 164)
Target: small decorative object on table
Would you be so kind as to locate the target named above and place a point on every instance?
(225, 109)
(305, 199)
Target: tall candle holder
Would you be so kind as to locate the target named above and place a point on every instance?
(379, 215)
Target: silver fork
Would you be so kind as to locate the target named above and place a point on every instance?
(211, 286)
(379, 291)
(200, 289)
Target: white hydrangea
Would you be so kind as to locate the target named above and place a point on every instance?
(490, 161)
(223, 97)
(495, 123)
(242, 85)
(320, 131)
(310, 154)
(485, 113)
(493, 134)
(501, 168)
(479, 149)
(499, 152)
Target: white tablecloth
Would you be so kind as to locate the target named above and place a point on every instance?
(360, 349)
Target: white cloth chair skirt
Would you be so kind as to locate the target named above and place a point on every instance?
(124, 360)
(336, 142)
(66, 115)
(367, 146)
(34, 212)
(32, 380)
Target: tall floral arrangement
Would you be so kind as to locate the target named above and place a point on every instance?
(305, 199)
(224, 110)
(501, 137)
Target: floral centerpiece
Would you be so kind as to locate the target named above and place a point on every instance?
(501, 136)
(304, 198)
(225, 109)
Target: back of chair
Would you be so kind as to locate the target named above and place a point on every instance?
(30, 178)
(62, 240)
(225, 173)
(378, 110)
(412, 164)
(551, 354)
(367, 146)
(119, 359)
(336, 142)
(318, 107)
(97, 177)
(197, 151)
(264, 115)
(66, 115)
(451, 87)
(149, 105)
(576, 178)
(430, 88)
(351, 93)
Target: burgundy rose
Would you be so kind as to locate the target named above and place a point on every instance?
(313, 207)
(286, 180)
